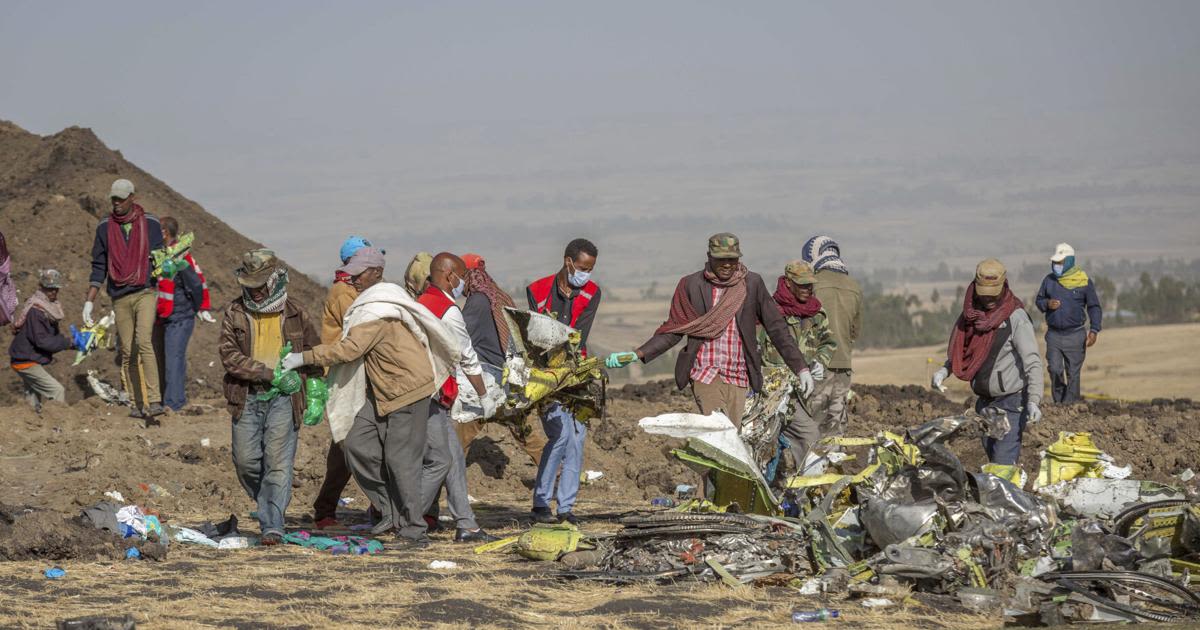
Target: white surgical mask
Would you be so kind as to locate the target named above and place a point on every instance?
(1058, 269)
(459, 288)
(578, 278)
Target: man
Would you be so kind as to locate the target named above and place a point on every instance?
(571, 297)
(490, 336)
(37, 339)
(8, 292)
(993, 347)
(842, 299)
(444, 461)
(341, 295)
(390, 360)
(254, 330)
(416, 275)
(121, 254)
(809, 326)
(182, 297)
(1069, 300)
(719, 309)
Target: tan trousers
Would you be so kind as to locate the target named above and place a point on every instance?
(40, 386)
(719, 395)
(135, 328)
(532, 444)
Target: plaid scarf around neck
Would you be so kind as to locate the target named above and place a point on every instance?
(683, 318)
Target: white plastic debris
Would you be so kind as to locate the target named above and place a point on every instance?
(205, 442)
(685, 425)
(471, 499)
(345, 501)
(1112, 471)
(592, 475)
(234, 542)
(877, 602)
(115, 496)
(211, 363)
(1187, 475)
(811, 586)
(443, 564)
(1105, 498)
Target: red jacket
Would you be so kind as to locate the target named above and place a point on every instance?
(166, 291)
(438, 303)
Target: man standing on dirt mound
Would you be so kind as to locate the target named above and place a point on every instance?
(571, 297)
(266, 424)
(842, 299)
(182, 298)
(392, 358)
(37, 339)
(993, 348)
(1072, 307)
(719, 309)
(121, 254)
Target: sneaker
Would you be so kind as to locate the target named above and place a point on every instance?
(475, 536)
(543, 515)
(155, 410)
(568, 517)
(326, 523)
(270, 539)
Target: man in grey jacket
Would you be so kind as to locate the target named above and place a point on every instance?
(993, 348)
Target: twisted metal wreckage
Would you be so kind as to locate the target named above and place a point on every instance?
(898, 512)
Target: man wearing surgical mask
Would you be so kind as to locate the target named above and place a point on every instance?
(571, 297)
(1071, 305)
(445, 462)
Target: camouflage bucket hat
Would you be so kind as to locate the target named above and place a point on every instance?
(50, 279)
(800, 272)
(724, 245)
(257, 267)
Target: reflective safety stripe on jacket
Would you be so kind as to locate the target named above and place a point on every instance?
(438, 303)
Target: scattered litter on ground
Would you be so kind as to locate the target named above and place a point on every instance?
(808, 616)
(54, 573)
(443, 564)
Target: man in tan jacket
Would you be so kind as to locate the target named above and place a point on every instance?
(386, 443)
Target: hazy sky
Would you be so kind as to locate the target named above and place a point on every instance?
(268, 110)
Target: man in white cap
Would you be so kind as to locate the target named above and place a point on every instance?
(1072, 308)
(121, 255)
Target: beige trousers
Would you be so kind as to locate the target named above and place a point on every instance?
(135, 328)
(719, 395)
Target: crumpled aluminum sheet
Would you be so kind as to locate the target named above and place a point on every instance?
(1003, 502)
(889, 522)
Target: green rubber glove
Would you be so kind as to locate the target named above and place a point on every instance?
(619, 360)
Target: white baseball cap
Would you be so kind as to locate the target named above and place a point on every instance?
(121, 189)
(1061, 251)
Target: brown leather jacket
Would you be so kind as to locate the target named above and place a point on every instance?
(241, 370)
(759, 308)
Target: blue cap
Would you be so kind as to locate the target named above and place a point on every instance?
(352, 244)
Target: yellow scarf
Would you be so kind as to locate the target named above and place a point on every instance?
(1074, 278)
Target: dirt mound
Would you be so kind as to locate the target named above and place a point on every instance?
(27, 534)
(53, 192)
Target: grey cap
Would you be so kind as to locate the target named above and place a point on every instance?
(362, 260)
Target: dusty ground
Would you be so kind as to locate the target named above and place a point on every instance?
(70, 456)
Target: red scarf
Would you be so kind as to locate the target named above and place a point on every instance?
(343, 277)
(683, 318)
(792, 307)
(971, 341)
(128, 259)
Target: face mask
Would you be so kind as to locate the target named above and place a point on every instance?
(578, 278)
(1058, 269)
(459, 288)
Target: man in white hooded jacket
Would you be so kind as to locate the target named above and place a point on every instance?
(392, 357)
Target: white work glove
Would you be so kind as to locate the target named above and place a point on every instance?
(489, 406)
(1035, 413)
(293, 361)
(806, 383)
(87, 314)
(205, 316)
(939, 377)
(818, 370)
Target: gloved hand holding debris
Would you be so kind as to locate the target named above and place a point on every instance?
(1035, 413)
(292, 360)
(619, 360)
(287, 381)
(818, 370)
(938, 378)
(806, 383)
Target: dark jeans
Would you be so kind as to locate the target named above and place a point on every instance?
(1005, 450)
(176, 335)
(1065, 351)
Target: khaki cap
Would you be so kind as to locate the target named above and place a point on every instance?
(990, 277)
(257, 267)
(724, 245)
(800, 272)
(417, 273)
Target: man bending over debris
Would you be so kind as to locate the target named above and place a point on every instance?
(571, 297)
(37, 339)
(809, 326)
(719, 309)
(253, 332)
(993, 347)
(121, 254)
(445, 463)
(385, 368)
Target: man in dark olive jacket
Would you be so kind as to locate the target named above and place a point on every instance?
(38, 339)
(719, 310)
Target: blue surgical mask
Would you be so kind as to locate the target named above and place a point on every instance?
(1057, 268)
(578, 278)
(459, 288)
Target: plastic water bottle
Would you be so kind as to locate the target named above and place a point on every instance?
(662, 502)
(824, 614)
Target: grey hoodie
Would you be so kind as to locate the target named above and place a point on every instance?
(1019, 364)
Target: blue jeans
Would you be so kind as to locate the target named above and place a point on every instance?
(1006, 450)
(565, 450)
(264, 449)
(176, 334)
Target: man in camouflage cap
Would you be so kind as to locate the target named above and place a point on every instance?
(809, 328)
(718, 309)
(37, 339)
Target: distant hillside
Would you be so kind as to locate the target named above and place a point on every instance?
(54, 191)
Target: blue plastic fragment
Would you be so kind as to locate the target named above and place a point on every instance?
(54, 573)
